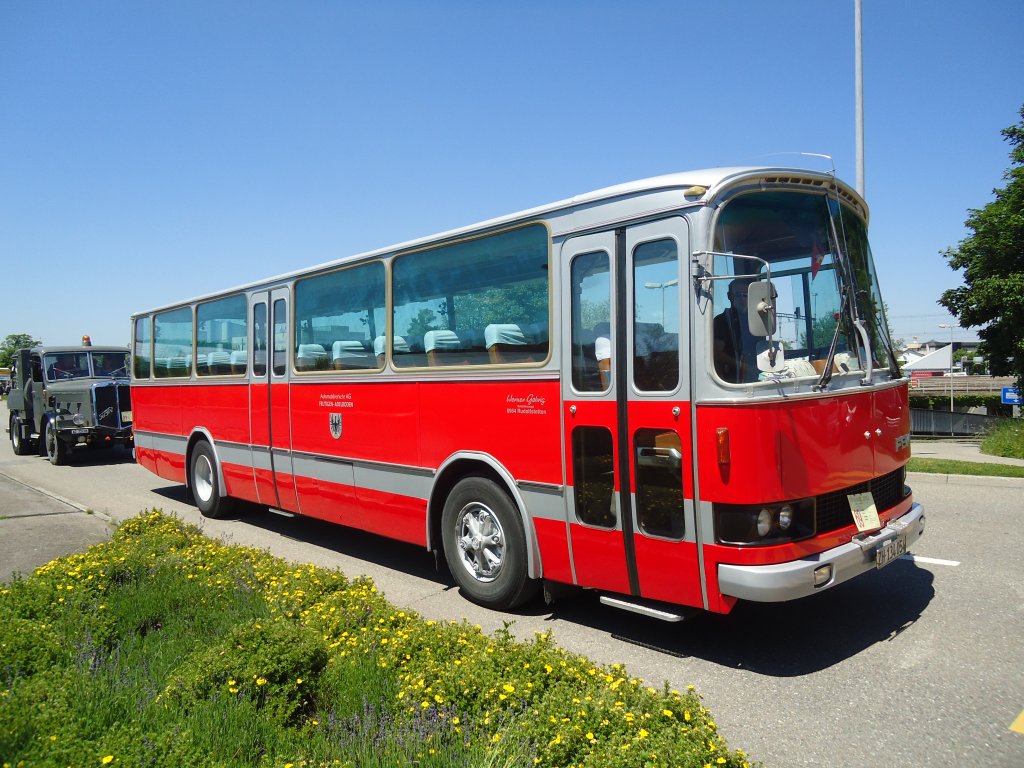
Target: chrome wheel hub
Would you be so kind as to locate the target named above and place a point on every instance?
(203, 479)
(481, 542)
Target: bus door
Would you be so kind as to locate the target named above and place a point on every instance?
(626, 390)
(269, 400)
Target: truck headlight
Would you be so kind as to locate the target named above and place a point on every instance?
(79, 420)
(763, 524)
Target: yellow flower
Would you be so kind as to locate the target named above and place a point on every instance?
(667, 713)
(261, 681)
(107, 759)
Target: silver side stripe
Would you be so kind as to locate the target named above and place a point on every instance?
(543, 500)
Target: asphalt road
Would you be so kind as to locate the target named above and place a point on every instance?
(921, 663)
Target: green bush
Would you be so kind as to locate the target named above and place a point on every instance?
(274, 664)
(162, 647)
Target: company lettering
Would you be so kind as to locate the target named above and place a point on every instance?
(526, 405)
(336, 400)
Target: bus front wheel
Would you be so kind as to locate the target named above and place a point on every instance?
(205, 483)
(485, 545)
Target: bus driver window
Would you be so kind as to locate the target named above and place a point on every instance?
(734, 346)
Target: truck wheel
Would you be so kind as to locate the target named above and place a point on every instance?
(485, 545)
(21, 447)
(205, 485)
(56, 449)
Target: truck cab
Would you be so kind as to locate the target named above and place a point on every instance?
(64, 399)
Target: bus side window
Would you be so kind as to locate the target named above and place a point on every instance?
(259, 340)
(591, 322)
(593, 469)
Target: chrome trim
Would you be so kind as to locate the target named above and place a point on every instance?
(788, 581)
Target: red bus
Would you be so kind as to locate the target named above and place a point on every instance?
(680, 392)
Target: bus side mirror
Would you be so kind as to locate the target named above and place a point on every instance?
(761, 309)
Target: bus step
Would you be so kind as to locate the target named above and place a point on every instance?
(280, 512)
(661, 611)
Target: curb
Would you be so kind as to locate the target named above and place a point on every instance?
(989, 480)
(49, 494)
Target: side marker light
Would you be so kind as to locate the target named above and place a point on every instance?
(722, 444)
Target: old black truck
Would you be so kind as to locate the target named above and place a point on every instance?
(66, 398)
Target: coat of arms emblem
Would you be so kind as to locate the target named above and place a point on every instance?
(335, 425)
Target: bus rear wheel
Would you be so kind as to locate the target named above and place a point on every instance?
(485, 545)
(205, 483)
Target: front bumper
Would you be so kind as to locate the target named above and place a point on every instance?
(788, 581)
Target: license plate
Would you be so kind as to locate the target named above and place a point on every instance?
(890, 550)
(79, 431)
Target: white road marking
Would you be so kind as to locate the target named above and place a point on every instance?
(930, 560)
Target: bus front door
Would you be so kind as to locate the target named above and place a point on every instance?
(626, 396)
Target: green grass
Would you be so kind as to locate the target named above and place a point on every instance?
(1007, 440)
(165, 648)
(954, 467)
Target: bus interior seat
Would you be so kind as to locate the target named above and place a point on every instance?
(349, 353)
(218, 363)
(398, 344)
(239, 360)
(178, 366)
(310, 357)
(439, 346)
(514, 343)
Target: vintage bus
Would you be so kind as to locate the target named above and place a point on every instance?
(680, 392)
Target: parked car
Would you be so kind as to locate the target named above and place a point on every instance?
(67, 398)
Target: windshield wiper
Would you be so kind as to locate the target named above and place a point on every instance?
(826, 373)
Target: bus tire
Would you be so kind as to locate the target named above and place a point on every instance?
(20, 446)
(485, 545)
(56, 449)
(205, 485)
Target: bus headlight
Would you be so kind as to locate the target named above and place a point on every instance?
(764, 524)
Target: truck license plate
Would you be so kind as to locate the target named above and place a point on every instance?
(890, 550)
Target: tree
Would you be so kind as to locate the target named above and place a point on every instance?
(992, 260)
(12, 344)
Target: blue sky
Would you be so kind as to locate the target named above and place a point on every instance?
(155, 151)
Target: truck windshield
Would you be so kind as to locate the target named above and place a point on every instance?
(822, 271)
(66, 365)
(110, 365)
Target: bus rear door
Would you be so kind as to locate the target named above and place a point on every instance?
(269, 400)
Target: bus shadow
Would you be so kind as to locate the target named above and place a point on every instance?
(780, 639)
(774, 639)
(399, 556)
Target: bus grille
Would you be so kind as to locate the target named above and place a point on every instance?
(833, 509)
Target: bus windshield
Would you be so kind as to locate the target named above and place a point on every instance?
(824, 278)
